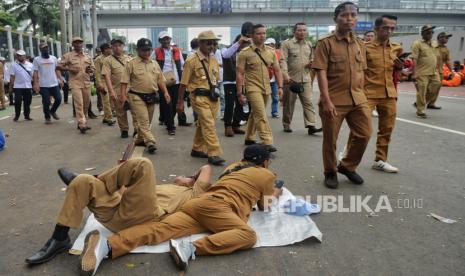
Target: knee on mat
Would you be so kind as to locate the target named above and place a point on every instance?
(250, 237)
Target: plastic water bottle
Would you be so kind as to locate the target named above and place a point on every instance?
(245, 107)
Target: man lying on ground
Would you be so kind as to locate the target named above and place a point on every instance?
(121, 197)
(223, 210)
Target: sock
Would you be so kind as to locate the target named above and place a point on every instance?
(60, 233)
(109, 250)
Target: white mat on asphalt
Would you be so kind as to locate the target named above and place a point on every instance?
(272, 228)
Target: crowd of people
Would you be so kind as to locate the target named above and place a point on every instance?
(355, 76)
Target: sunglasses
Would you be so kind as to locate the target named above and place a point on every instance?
(145, 49)
(211, 42)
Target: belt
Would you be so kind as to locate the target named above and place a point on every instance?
(202, 92)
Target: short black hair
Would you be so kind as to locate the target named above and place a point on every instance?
(299, 24)
(194, 43)
(379, 20)
(342, 7)
(104, 46)
(367, 32)
(257, 26)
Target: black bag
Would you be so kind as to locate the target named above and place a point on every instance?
(148, 98)
(296, 87)
(213, 95)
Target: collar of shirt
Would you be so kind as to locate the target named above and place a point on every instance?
(298, 42)
(260, 49)
(201, 56)
(350, 39)
(430, 43)
(378, 43)
(139, 59)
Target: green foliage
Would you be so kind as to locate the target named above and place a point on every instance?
(8, 19)
(279, 33)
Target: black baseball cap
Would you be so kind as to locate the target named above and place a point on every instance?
(144, 43)
(104, 46)
(256, 154)
(117, 40)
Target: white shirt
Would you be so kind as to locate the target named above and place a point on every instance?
(169, 65)
(23, 79)
(6, 72)
(219, 59)
(46, 69)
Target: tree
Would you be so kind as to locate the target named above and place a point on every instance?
(8, 19)
(42, 12)
(49, 20)
(279, 33)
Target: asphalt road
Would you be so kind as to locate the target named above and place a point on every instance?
(406, 241)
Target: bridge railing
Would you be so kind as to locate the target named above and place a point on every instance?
(277, 5)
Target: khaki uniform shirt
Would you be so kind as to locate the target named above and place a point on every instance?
(444, 56)
(142, 77)
(257, 78)
(171, 197)
(426, 58)
(379, 81)
(80, 61)
(344, 63)
(99, 80)
(115, 70)
(193, 74)
(1, 71)
(244, 188)
(294, 57)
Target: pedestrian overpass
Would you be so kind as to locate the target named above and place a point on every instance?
(192, 13)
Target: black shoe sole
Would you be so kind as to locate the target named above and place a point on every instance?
(177, 260)
(346, 174)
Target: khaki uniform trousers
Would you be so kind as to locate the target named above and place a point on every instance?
(144, 115)
(2, 93)
(81, 99)
(122, 116)
(203, 214)
(258, 121)
(426, 86)
(100, 194)
(206, 139)
(387, 110)
(107, 114)
(432, 97)
(305, 98)
(359, 120)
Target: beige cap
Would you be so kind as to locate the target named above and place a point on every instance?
(207, 35)
(77, 38)
(20, 53)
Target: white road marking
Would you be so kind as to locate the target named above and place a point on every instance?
(6, 117)
(431, 126)
(445, 97)
(37, 106)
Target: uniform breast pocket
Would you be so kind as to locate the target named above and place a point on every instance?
(139, 72)
(337, 64)
(199, 73)
(293, 54)
(359, 60)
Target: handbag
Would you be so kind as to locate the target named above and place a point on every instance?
(170, 76)
(296, 87)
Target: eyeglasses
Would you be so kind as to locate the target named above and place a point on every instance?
(211, 42)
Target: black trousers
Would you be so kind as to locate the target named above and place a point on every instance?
(65, 92)
(233, 112)
(168, 111)
(23, 95)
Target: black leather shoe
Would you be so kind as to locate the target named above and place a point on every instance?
(271, 148)
(216, 160)
(55, 116)
(352, 176)
(49, 251)
(312, 130)
(250, 142)
(151, 149)
(433, 107)
(66, 175)
(198, 154)
(124, 134)
(82, 129)
(287, 129)
(186, 124)
(108, 122)
(92, 115)
(331, 180)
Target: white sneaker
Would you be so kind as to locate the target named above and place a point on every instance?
(374, 113)
(95, 250)
(384, 166)
(181, 252)
(102, 113)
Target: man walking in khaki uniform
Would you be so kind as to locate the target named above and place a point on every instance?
(80, 66)
(200, 77)
(101, 85)
(381, 56)
(223, 210)
(121, 197)
(112, 71)
(425, 69)
(444, 58)
(253, 85)
(296, 63)
(340, 64)
(145, 79)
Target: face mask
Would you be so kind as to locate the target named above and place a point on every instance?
(44, 53)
